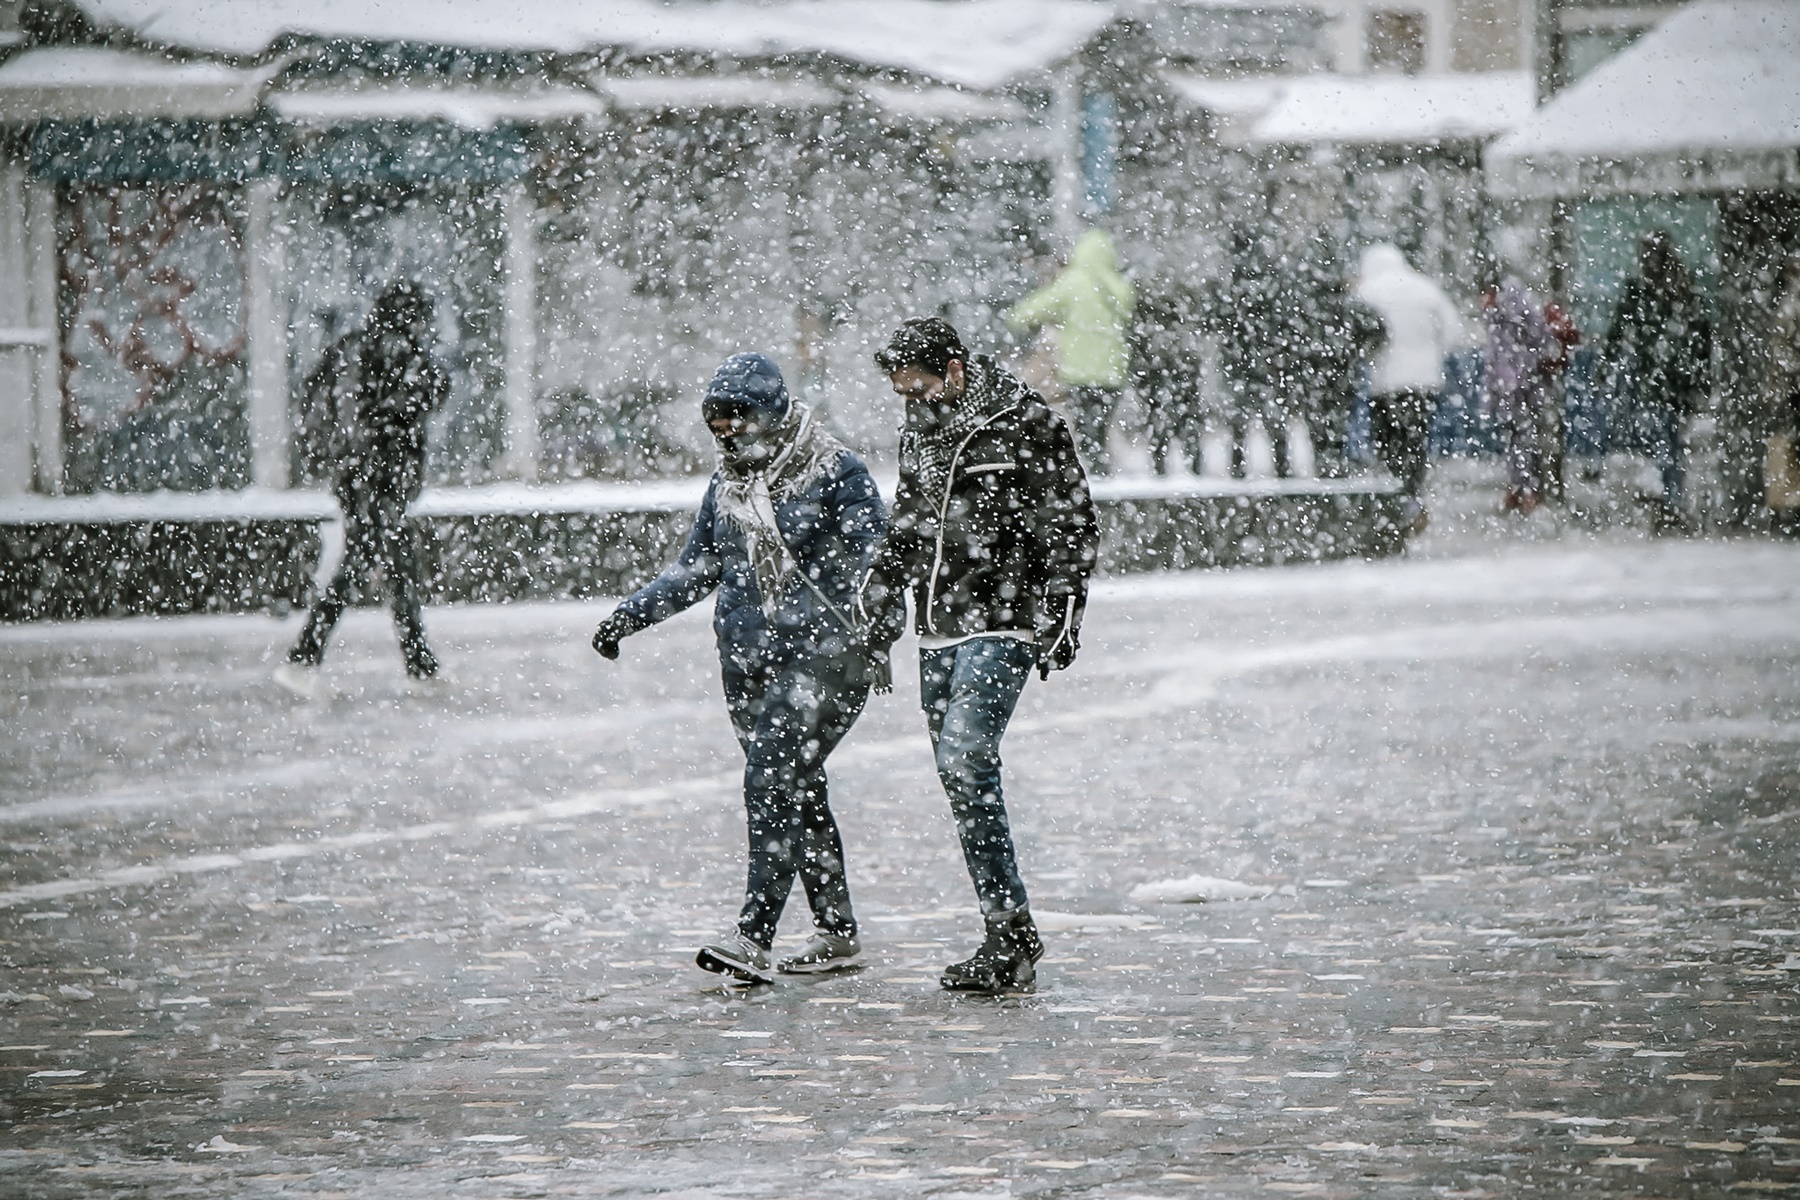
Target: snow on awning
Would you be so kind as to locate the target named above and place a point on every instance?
(1396, 110)
(943, 104)
(1234, 104)
(1370, 110)
(470, 108)
(979, 44)
(704, 93)
(1707, 101)
(1251, 95)
(974, 43)
(77, 82)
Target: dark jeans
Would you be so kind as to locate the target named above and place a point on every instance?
(1332, 429)
(1521, 419)
(1398, 424)
(1093, 408)
(375, 536)
(1275, 425)
(788, 720)
(1172, 420)
(968, 692)
(1668, 450)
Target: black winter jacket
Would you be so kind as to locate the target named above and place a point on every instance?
(1007, 544)
(380, 396)
(1662, 338)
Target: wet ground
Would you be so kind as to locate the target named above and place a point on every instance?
(1527, 809)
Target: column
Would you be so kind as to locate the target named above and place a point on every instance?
(266, 328)
(1440, 37)
(1065, 153)
(518, 218)
(18, 416)
(40, 269)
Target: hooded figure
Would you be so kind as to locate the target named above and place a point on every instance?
(1420, 327)
(1783, 381)
(386, 384)
(784, 534)
(1090, 305)
(1781, 471)
(1420, 324)
(1659, 348)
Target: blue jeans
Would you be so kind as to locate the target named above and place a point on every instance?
(968, 692)
(1669, 452)
(788, 720)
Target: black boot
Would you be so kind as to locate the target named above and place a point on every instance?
(1007, 960)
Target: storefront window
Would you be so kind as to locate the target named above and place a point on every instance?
(1397, 42)
(151, 293)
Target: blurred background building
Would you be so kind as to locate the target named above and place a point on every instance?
(196, 198)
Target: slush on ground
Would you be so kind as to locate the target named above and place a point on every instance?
(1496, 853)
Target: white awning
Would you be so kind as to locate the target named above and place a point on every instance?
(973, 43)
(73, 82)
(943, 104)
(1251, 95)
(471, 108)
(702, 93)
(1708, 101)
(1367, 110)
(1397, 110)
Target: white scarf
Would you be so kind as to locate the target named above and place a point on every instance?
(748, 498)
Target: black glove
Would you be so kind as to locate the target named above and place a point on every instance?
(1057, 644)
(877, 665)
(612, 631)
(880, 614)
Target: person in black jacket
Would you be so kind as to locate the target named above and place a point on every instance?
(387, 372)
(993, 533)
(1659, 347)
(1167, 369)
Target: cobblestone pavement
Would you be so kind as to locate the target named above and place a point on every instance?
(1528, 822)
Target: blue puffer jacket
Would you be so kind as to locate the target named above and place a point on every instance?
(831, 527)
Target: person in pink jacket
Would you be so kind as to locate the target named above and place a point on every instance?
(1520, 343)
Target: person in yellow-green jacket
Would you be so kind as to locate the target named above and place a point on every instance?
(1090, 305)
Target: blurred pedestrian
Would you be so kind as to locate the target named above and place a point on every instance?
(784, 535)
(1659, 349)
(1259, 327)
(1342, 333)
(1781, 469)
(1090, 304)
(1554, 430)
(383, 383)
(1166, 369)
(994, 536)
(1420, 326)
(1520, 345)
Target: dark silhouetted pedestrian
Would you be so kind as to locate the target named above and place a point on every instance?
(1659, 348)
(388, 384)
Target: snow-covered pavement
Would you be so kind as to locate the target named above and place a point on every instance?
(1523, 821)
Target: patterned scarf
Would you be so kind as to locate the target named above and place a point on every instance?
(748, 495)
(930, 449)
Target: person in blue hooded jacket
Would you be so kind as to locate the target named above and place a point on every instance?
(785, 534)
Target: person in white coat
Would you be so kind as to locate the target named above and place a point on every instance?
(1420, 326)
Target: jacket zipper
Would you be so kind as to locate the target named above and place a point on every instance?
(937, 554)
